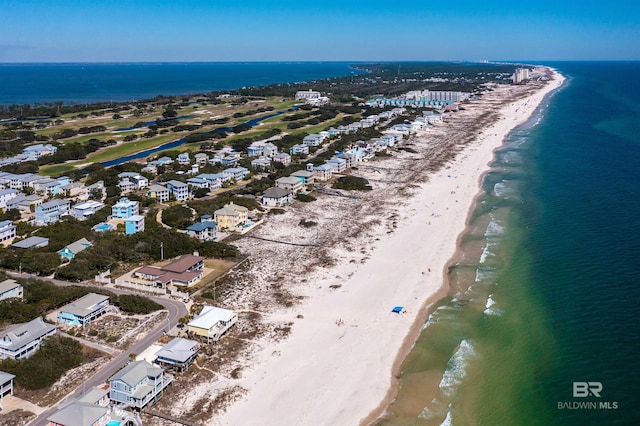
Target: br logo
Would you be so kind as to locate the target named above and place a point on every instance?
(585, 389)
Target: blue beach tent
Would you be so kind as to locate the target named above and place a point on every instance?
(397, 309)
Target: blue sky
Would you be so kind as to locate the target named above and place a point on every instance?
(304, 30)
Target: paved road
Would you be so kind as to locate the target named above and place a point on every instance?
(176, 310)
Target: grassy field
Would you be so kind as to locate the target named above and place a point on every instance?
(220, 110)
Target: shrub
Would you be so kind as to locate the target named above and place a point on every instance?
(305, 198)
(135, 304)
(55, 357)
(352, 183)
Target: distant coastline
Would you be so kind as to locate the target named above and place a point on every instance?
(79, 83)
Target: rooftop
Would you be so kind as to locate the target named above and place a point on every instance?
(210, 316)
(178, 349)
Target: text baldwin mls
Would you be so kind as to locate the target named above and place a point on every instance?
(584, 390)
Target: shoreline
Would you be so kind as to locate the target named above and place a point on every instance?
(337, 360)
(416, 329)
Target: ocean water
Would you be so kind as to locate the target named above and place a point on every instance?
(547, 290)
(95, 82)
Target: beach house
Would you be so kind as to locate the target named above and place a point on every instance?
(306, 177)
(51, 211)
(6, 384)
(290, 183)
(307, 94)
(125, 208)
(231, 216)
(312, 140)
(180, 190)
(158, 192)
(138, 384)
(86, 209)
(277, 197)
(77, 413)
(31, 242)
(7, 231)
(34, 152)
(299, 149)
(6, 195)
(134, 224)
(212, 323)
(322, 172)
(10, 289)
(20, 341)
(185, 270)
(70, 251)
(178, 354)
(84, 310)
(261, 163)
(214, 180)
(204, 231)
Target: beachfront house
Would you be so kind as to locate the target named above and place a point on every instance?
(84, 310)
(178, 354)
(212, 323)
(306, 177)
(290, 183)
(204, 231)
(337, 164)
(20, 341)
(231, 216)
(70, 251)
(77, 413)
(138, 384)
(322, 172)
(277, 197)
(10, 289)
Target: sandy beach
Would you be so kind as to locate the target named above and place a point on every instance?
(330, 344)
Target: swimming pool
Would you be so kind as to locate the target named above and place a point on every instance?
(101, 227)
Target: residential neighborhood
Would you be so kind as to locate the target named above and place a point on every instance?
(153, 228)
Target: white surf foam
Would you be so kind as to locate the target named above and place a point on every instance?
(456, 369)
(489, 307)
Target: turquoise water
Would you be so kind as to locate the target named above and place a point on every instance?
(86, 83)
(546, 292)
